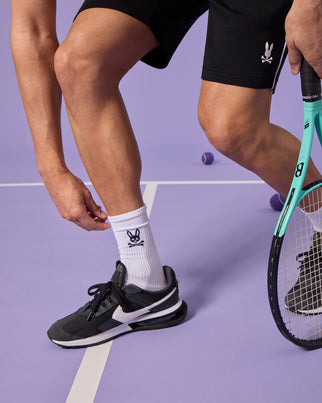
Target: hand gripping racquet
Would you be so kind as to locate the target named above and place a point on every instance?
(295, 261)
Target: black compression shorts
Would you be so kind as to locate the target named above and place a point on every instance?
(245, 40)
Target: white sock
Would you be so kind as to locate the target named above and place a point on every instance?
(137, 249)
(316, 219)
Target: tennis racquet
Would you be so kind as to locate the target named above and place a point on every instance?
(295, 261)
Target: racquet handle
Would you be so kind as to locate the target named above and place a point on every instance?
(310, 83)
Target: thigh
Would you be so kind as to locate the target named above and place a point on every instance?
(106, 38)
(169, 20)
(231, 106)
(245, 42)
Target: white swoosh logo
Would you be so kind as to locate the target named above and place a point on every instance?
(126, 317)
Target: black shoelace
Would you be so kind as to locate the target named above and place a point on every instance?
(102, 292)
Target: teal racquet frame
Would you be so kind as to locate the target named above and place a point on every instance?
(312, 119)
(312, 106)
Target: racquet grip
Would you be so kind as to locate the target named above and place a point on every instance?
(310, 83)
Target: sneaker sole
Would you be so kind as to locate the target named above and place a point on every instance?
(170, 317)
(309, 312)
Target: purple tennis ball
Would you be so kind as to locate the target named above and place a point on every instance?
(207, 158)
(277, 202)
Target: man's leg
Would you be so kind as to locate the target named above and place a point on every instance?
(100, 48)
(236, 121)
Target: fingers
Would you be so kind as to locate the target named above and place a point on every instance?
(303, 35)
(94, 210)
(86, 220)
(88, 215)
(295, 58)
(89, 223)
(95, 217)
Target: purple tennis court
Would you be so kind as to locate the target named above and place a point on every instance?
(213, 224)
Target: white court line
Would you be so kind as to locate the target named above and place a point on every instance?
(91, 369)
(228, 182)
(149, 195)
(89, 374)
(16, 185)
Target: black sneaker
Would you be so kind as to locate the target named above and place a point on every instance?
(305, 295)
(117, 309)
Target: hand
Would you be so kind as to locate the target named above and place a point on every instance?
(74, 201)
(303, 27)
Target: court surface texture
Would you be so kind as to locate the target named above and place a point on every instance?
(212, 224)
(216, 236)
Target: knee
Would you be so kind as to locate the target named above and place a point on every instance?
(79, 71)
(233, 135)
(217, 128)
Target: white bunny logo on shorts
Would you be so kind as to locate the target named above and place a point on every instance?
(267, 55)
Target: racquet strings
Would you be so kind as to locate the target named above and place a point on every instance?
(299, 277)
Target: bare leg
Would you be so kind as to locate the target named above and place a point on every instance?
(100, 48)
(236, 121)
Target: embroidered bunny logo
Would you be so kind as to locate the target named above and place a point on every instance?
(135, 239)
(267, 55)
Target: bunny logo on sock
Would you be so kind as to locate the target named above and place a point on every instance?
(267, 55)
(135, 238)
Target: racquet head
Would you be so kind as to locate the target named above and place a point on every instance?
(295, 263)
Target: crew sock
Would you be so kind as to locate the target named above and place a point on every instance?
(137, 249)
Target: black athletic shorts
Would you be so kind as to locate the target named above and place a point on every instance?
(245, 40)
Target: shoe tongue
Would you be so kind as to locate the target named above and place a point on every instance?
(119, 275)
